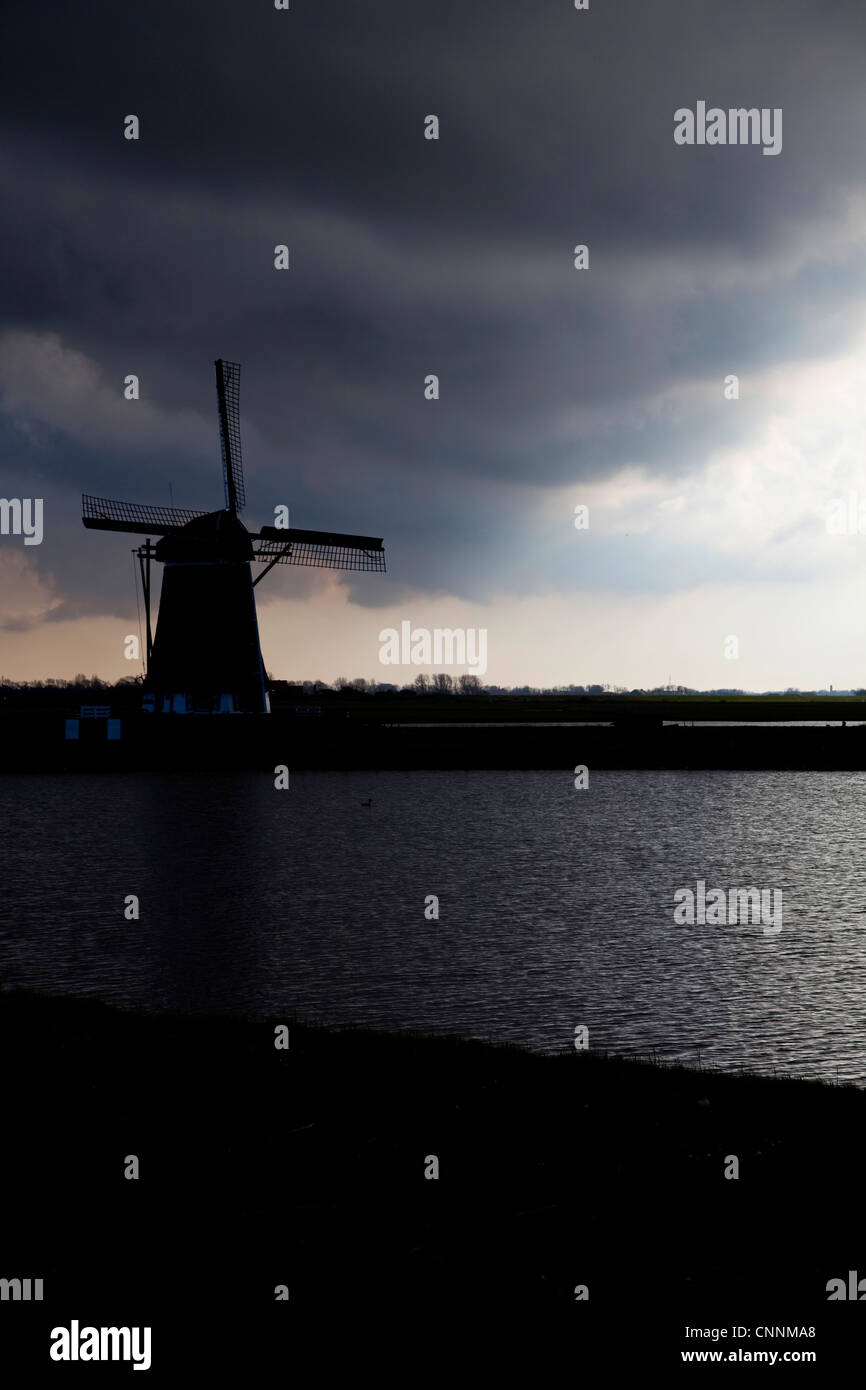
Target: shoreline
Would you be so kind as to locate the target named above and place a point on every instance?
(238, 743)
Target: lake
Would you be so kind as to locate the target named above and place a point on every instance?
(556, 905)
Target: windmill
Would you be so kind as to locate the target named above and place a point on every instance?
(205, 655)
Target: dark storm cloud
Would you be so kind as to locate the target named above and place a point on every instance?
(412, 256)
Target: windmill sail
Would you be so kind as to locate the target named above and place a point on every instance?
(105, 514)
(228, 379)
(323, 549)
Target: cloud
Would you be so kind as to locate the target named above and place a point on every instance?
(455, 257)
(49, 383)
(26, 599)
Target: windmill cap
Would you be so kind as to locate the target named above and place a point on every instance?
(215, 536)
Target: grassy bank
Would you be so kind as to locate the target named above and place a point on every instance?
(305, 1167)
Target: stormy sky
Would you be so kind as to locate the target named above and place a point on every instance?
(603, 387)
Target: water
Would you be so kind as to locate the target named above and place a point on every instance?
(556, 905)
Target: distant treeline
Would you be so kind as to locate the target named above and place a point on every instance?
(126, 693)
(444, 684)
(81, 690)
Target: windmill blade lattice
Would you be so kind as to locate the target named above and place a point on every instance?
(322, 549)
(106, 514)
(228, 378)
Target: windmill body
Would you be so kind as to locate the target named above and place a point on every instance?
(206, 656)
(206, 646)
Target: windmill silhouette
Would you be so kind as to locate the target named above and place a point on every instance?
(206, 656)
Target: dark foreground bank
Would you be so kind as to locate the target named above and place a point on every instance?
(305, 1167)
